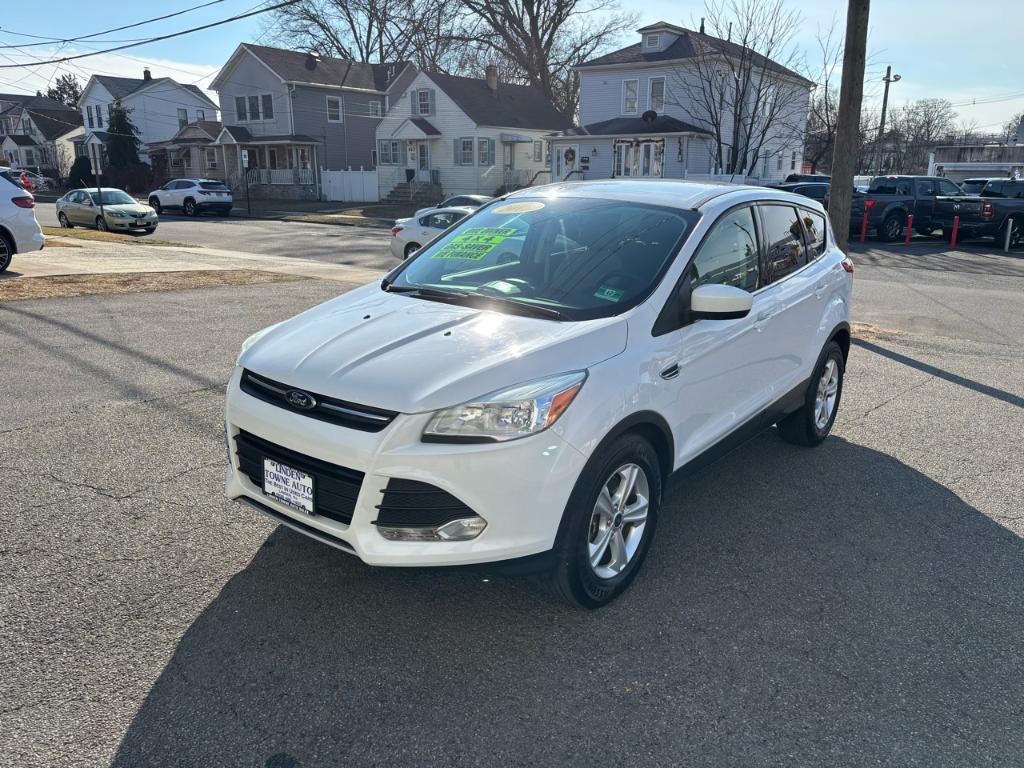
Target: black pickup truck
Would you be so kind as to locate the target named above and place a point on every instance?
(1001, 202)
(891, 199)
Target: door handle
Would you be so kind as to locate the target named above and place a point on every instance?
(671, 372)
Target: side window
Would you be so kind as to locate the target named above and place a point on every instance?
(993, 189)
(814, 226)
(925, 188)
(947, 187)
(1013, 189)
(784, 241)
(903, 188)
(729, 255)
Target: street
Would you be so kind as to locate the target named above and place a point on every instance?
(860, 603)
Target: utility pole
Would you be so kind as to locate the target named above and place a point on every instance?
(889, 78)
(847, 142)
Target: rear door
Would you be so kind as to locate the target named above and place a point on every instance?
(924, 201)
(80, 211)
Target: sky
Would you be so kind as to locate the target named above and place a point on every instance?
(939, 50)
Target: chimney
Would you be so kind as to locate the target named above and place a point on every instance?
(492, 78)
(702, 25)
(146, 74)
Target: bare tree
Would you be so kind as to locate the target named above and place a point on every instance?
(917, 128)
(1012, 126)
(824, 112)
(741, 84)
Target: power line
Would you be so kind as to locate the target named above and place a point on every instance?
(52, 40)
(284, 4)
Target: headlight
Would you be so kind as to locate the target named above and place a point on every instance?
(508, 414)
(119, 214)
(256, 337)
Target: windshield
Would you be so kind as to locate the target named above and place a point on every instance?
(112, 197)
(582, 258)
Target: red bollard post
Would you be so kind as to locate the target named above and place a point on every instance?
(956, 226)
(910, 228)
(864, 227)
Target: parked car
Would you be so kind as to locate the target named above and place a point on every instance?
(36, 181)
(794, 177)
(19, 230)
(456, 201)
(814, 190)
(891, 199)
(193, 197)
(1000, 204)
(974, 186)
(104, 209)
(409, 235)
(528, 412)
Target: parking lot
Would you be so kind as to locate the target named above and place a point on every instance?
(862, 603)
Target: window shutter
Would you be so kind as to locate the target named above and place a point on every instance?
(431, 100)
(490, 151)
(414, 101)
(404, 147)
(457, 151)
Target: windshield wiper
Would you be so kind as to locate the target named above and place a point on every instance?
(473, 298)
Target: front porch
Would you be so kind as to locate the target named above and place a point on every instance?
(269, 167)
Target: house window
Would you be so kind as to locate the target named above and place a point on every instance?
(88, 113)
(423, 103)
(639, 158)
(268, 106)
(792, 163)
(538, 151)
(30, 157)
(200, 114)
(272, 158)
(656, 96)
(334, 109)
(302, 158)
(464, 151)
(254, 108)
(241, 113)
(486, 151)
(182, 118)
(778, 164)
(653, 41)
(629, 91)
(211, 158)
(390, 153)
(375, 110)
(99, 117)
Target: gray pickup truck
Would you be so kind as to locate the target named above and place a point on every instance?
(1000, 203)
(891, 199)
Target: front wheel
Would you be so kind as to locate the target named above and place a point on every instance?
(154, 203)
(891, 229)
(63, 219)
(6, 252)
(411, 248)
(609, 523)
(812, 423)
(190, 208)
(101, 224)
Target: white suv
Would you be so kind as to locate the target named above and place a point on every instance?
(192, 197)
(19, 230)
(521, 388)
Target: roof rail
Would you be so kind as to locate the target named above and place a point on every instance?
(707, 198)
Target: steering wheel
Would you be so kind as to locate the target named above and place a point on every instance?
(507, 258)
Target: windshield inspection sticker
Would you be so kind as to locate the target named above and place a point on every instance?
(608, 294)
(474, 244)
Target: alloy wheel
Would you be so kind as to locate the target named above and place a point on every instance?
(5, 254)
(825, 398)
(63, 221)
(618, 521)
(101, 224)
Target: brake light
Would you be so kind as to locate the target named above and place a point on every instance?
(869, 204)
(395, 230)
(847, 264)
(986, 210)
(26, 201)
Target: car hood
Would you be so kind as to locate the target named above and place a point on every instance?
(128, 208)
(410, 355)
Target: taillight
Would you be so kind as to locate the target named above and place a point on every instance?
(986, 210)
(26, 201)
(847, 264)
(869, 204)
(395, 230)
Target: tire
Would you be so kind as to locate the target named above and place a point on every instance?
(947, 235)
(6, 252)
(924, 231)
(587, 529)
(891, 229)
(1016, 234)
(812, 423)
(411, 248)
(101, 224)
(190, 208)
(64, 222)
(154, 203)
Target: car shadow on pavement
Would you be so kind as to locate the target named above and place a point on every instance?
(799, 607)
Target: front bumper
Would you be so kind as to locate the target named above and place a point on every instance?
(149, 222)
(520, 487)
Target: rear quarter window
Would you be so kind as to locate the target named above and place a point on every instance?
(783, 239)
(817, 232)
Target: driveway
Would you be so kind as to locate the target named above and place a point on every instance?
(857, 604)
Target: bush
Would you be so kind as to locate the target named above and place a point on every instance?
(80, 174)
(136, 178)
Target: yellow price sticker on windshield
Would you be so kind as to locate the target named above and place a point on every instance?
(475, 243)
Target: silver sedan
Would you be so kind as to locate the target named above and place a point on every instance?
(105, 209)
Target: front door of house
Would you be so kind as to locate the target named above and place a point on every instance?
(423, 161)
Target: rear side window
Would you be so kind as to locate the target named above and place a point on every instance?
(814, 226)
(1013, 189)
(925, 187)
(214, 185)
(729, 254)
(883, 186)
(784, 241)
(993, 189)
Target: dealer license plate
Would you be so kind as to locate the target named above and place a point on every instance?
(288, 485)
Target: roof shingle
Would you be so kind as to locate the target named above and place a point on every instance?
(511, 106)
(297, 67)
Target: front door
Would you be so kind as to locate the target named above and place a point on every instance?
(422, 161)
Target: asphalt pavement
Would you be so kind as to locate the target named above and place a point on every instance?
(861, 603)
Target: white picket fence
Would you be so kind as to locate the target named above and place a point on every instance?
(350, 186)
(281, 176)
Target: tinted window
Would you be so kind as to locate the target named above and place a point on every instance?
(441, 220)
(814, 226)
(728, 255)
(924, 187)
(112, 197)
(993, 189)
(947, 187)
(784, 241)
(1013, 189)
(214, 185)
(883, 186)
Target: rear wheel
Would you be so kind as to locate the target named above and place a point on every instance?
(812, 423)
(6, 251)
(411, 248)
(610, 521)
(190, 208)
(101, 224)
(64, 222)
(892, 228)
(154, 203)
(1016, 233)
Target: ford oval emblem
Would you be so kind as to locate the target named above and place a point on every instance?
(298, 399)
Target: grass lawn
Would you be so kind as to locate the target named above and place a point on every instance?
(108, 237)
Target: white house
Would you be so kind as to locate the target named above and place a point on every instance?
(32, 129)
(160, 106)
(637, 116)
(458, 135)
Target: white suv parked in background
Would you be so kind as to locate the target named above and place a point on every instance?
(19, 230)
(522, 387)
(192, 197)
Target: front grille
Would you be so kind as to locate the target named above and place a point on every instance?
(412, 504)
(335, 488)
(330, 409)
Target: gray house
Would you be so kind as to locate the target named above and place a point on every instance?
(286, 115)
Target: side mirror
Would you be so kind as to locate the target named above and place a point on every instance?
(719, 302)
(88, 201)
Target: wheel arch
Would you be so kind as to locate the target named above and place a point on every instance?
(841, 334)
(9, 237)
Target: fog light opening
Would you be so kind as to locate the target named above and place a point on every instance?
(463, 529)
